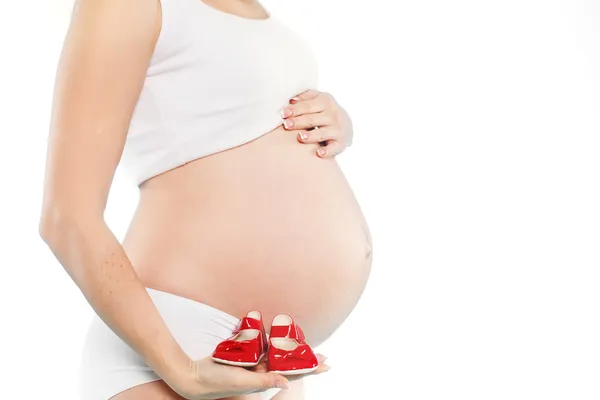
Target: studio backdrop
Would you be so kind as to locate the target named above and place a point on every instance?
(476, 162)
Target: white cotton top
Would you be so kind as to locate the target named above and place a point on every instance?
(215, 81)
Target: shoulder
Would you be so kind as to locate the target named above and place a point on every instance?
(140, 18)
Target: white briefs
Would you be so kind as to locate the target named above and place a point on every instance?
(109, 366)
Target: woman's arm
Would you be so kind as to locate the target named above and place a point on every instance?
(100, 74)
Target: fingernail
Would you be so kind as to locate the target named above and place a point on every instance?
(289, 123)
(303, 135)
(321, 152)
(287, 112)
(295, 98)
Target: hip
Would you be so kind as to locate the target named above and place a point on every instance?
(109, 366)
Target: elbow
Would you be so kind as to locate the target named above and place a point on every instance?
(57, 224)
(51, 224)
(67, 233)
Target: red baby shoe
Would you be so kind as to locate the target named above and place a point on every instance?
(289, 354)
(247, 345)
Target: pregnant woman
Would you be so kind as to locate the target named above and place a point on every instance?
(212, 107)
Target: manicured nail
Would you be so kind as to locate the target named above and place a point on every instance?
(295, 98)
(303, 135)
(289, 123)
(287, 112)
(321, 152)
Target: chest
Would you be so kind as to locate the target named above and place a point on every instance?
(228, 57)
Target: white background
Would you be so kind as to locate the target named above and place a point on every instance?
(477, 164)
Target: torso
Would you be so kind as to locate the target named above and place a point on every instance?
(267, 226)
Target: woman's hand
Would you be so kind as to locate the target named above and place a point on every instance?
(318, 118)
(210, 380)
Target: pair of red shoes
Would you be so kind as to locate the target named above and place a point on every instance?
(286, 349)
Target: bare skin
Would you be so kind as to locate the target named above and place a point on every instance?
(279, 227)
(268, 225)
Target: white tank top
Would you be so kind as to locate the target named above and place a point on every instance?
(215, 81)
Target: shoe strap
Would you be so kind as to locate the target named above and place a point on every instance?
(291, 331)
(249, 323)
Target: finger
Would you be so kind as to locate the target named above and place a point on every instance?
(307, 95)
(311, 106)
(320, 370)
(260, 381)
(321, 358)
(317, 135)
(260, 367)
(331, 149)
(308, 121)
(273, 380)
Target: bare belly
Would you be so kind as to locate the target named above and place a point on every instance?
(265, 226)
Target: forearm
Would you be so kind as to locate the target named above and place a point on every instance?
(96, 261)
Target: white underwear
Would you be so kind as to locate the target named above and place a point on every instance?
(110, 366)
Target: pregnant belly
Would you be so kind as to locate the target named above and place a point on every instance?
(265, 226)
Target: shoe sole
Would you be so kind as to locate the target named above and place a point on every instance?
(238, 363)
(296, 371)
